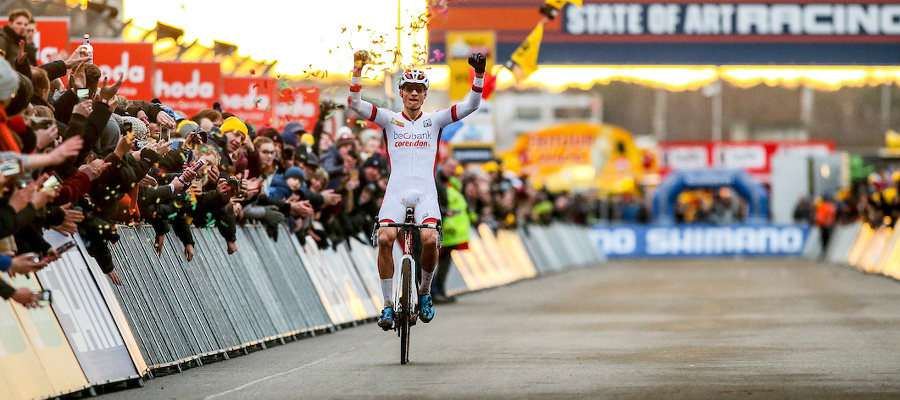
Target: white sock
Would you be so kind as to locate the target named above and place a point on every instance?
(387, 289)
(425, 287)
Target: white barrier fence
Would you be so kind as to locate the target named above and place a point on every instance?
(169, 313)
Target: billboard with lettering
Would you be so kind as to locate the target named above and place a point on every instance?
(630, 241)
(187, 87)
(752, 156)
(134, 61)
(676, 32)
(250, 99)
(298, 104)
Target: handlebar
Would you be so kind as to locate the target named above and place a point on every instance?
(406, 225)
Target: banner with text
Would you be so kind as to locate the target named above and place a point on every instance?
(187, 87)
(132, 60)
(625, 241)
(299, 104)
(753, 156)
(251, 99)
(736, 19)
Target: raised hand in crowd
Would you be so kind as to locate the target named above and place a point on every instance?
(108, 92)
(166, 121)
(70, 223)
(94, 168)
(124, 145)
(42, 197)
(147, 180)
(21, 197)
(26, 297)
(331, 198)
(68, 148)
(302, 208)
(24, 264)
(85, 108)
(184, 181)
(76, 58)
(77, 78)
(22, 57)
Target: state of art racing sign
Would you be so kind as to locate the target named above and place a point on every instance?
(690, 32)
(746, 19)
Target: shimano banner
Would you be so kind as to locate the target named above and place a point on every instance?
(626, 241)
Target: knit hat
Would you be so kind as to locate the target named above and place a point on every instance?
(185, 127)
(140, 130)
(22, 96)
(234, 124)
(375, 161)
(308, 139)
(295, 172)
(9, 81)
(289, 134)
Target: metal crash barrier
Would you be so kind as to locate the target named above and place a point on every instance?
(169, 313)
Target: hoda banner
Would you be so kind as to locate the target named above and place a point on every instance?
(187, 87)
(51, 37)
(251, 99)
(132, 60)
(299, 104)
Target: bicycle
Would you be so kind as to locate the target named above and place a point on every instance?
(407, 312)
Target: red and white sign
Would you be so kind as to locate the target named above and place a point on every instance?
(187, 87)
(299, 104)
(754, 157)
(250, 99)
(132, 60)
(51, 37)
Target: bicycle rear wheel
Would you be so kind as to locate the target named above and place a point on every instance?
(405, 306)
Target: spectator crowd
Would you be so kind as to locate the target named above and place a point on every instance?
(78, 157)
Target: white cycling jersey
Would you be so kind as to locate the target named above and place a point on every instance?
(412, 150)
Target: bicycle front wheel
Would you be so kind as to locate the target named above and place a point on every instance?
(406, 309)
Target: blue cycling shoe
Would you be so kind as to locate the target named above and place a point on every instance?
(426, 308)
(386, 320)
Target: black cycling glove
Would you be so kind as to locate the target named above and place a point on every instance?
(478, 61)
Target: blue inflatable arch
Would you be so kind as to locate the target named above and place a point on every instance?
(745, 185)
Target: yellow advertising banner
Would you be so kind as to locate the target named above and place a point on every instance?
(580, 155)
(35, 357)
(460, 45)
(49, 343)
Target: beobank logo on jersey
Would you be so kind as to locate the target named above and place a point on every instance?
(249, 98)
(188, 87)
(409, 139)
(134, 61)
(51, 37)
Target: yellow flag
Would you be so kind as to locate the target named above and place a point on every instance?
(558, 4)
(523, 61)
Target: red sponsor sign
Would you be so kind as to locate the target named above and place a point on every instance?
(250, 99)
(132, 60)
(51, 37)
(298, 104)
(187, 87)
(753, 157)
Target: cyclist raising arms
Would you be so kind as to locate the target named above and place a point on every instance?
(412, 138)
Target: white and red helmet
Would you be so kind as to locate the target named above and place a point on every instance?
(413, 76)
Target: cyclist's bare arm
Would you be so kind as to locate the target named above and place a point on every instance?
(364, 108)
(460, 110)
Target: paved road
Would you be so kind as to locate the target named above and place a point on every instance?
(747, 329)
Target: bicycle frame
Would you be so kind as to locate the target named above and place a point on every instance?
(405, 297)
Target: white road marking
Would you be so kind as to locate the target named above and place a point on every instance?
(251, 383)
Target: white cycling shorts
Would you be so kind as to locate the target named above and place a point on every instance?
(423, 202)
